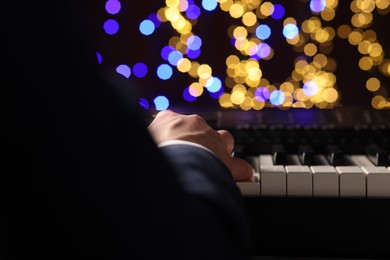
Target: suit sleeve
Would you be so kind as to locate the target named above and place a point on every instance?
(214, 196)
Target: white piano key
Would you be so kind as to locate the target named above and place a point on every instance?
(378, 181)
(325, 181)
(265, 159)
(293, 159)
(359, 160)
(272, 180)
(321, 160)
(250, 188)
(299, 180)
(352, 181)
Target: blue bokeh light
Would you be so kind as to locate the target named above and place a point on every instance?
(111, 26)
(209, 5)
(147, 27)
(164, 71)
(263, 51)
(310, 88)
(262, 94)
(279, 12)
(193, 54)
(193, 12)
(290, 31)
(155, 19)
(165, 51)
(99, 58)
(317, 5)
(161, 103)
(144, 103)
(194, 42)
(113, 6)
(174, 57)
(140, 70)
(263, 32)
(213, 84)
(187, 95)
(277, 97)
(124, 70)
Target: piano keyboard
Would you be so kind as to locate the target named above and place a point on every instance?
(357, 176)
(336, 153)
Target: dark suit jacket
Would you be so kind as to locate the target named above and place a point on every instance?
(81, 177)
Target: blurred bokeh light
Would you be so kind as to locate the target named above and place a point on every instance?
(250, 54)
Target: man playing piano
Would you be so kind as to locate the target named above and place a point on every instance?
(82, 176)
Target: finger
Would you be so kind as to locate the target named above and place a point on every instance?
(240, 169)
(228, 140)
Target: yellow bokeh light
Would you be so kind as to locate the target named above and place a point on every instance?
(355, 37)
(184, 65)
(240, 44)
(310, 49)
(238, 95)
(204, 71)
(195, 89)
(194, 69)
(330, 95)
(382, 4)
(366, 6)
(370, 35)
(343, 31)
(161, 15)
(373, 84)
(331, 3)
(311, 25)
(328, 14)
(172, 3)
(321, 59)
(257, 105)
(378, 102)
(267, 8)
(246, 104)
(232, 61)
(172, 14)
(363, 47)
(225, 100)
(252, 4)
(385, 67)
(287, 87)
(361, 19)
(225, 5)
(249, 19)
(236, 10)
(240, 33)
(375, 50)
(289, 20)
(288, 99)
(365, 63)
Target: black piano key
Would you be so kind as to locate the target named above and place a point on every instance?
(377, 155)
(334, 155)
(306, 155)
(278, 154)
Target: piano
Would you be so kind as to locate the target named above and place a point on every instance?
(322, 185)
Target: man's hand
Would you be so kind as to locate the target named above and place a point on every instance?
(168, 125)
